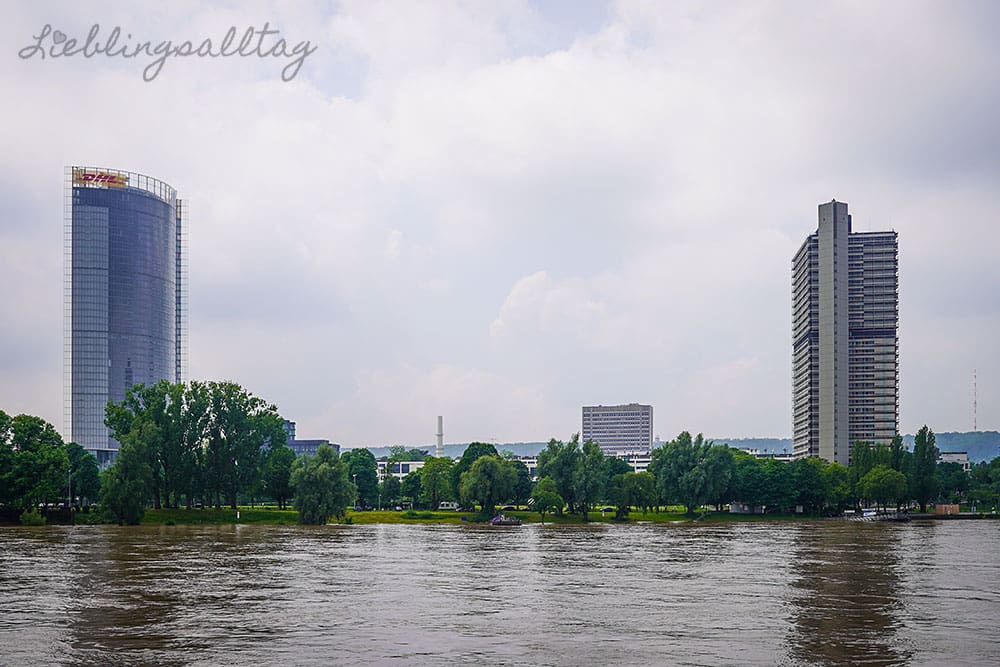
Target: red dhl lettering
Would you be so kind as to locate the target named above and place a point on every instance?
(100, 178)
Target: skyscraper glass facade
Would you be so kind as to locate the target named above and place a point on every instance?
(125, 313)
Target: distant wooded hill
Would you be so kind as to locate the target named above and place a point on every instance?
(980, 445)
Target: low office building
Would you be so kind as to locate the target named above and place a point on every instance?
(961, 458)
(306, 447)
(639, 460)
(783, 455)
(398, 469)
(309, 447)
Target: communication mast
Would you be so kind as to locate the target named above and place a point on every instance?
(974, 401)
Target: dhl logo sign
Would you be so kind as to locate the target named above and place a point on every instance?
(105, 178)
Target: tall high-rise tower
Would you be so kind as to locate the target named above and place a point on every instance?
(845, 341)
(125, 295)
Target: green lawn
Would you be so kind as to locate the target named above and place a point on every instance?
(284, 517)
(210, 516)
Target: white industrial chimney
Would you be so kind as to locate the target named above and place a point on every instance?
(439, 452)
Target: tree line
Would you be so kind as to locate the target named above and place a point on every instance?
(215, 444)
(38, 468)
(694, 472)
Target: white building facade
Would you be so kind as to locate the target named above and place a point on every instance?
(619, 428)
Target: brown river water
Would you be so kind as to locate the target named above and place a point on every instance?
(781, 593)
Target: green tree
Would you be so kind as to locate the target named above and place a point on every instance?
(953, 481)
(147, 409)
(545, 498)
(177, 421)
(391, 491)
(84, 473)
(898, 454)
(489, 480)
(613, 466)
(322, 487)
(779, 489)
(717, 462)
(38, 462)
(192, 465)
(239, 425)
(679, 473)
(837, 483)
(923, 467)
(469, 456)
(633, 489)
(125, 485)
(277, 474)
(523, 485)
(810, 483)
(435, 480)
(749, 480)
(362, 468)
(588, 477)
(411, 487)
(6, 461)
(882, 485)
(985, 483)
(560, 461)
(641, 487)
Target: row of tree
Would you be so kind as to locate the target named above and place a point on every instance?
(494, 479)
(693, 472)
(215, 443)
(206, 442)
(38, 468)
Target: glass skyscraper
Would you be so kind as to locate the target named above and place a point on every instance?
(125, 295)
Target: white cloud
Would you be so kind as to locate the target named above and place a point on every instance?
(458, 193)
(476, 405)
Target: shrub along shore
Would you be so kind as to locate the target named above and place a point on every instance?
(247, 515)
(185, 447)
(286, 517)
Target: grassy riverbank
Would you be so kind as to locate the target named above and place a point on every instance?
(211, 516)
(258, 515)
(274, 516)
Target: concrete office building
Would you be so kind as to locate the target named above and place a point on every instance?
(845, 343)
(125, 295)
(304, 447)
(961, 458)
(619, 428)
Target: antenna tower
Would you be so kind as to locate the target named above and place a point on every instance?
(975, 397)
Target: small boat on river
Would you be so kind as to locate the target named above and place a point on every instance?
(504, 520)
(875, 515)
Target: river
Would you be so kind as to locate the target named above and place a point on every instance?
(785, 593)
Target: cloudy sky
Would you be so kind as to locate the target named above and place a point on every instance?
(501, 211)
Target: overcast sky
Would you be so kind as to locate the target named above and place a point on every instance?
(501, 211)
